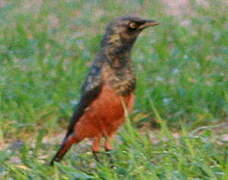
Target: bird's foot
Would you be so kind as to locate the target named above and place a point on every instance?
(110, 157)
(95, 155)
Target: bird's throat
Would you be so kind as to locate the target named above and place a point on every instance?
(118, 55)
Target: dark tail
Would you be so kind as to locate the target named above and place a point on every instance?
(66, 145)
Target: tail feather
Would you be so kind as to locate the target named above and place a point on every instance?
(66, 145)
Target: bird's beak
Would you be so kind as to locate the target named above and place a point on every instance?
(149, 23)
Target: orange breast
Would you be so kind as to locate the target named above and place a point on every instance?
(104, 115)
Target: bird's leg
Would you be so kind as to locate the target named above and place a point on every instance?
(96, 148)
(108, 148)
(107, 144)
(66, 145)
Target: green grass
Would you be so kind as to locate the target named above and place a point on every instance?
(45, 50)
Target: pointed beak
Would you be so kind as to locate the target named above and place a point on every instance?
(149, 23)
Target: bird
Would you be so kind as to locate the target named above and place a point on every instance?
(108, 91)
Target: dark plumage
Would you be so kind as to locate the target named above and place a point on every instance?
(109, 86)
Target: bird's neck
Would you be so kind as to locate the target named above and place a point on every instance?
(118, 54)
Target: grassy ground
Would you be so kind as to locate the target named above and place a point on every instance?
(45, 50)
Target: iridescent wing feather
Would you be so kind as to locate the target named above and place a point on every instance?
(90, 90)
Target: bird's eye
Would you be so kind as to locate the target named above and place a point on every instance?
(133, 25)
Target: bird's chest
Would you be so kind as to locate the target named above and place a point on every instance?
(122, 81)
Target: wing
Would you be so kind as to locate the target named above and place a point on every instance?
(90, 90)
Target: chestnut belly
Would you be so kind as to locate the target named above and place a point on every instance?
(104, 115)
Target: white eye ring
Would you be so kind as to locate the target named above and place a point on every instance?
(133, 25)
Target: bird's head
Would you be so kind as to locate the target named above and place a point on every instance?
(123, 31)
